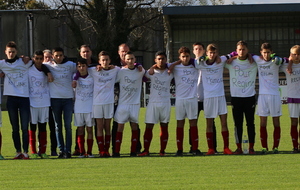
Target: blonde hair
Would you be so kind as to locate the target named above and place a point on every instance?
(295, 48)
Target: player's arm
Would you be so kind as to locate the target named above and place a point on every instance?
(151, 70)
(289, 67)
(47, 72)
(172, 66)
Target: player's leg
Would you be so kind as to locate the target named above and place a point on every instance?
(122, 116)
(24, 110)
(67, 112)
(80, 139)
(118, 142)
(114, 132)
(147, 139)
(276, 134)
(134, 138)
(53, 140)
(43, 137)
(12, 108)
(275, 112)
(32, 131)
(180, 117)
(294, 134)
(57, 115)
(209, 136)
(294, 111)
(249, 111)
(192, 105)
(100, 138)
(1, 157)
(164, 136)
(108, 115)
(225, 134)
(238, 118)
(89, 140)
(107, 136)
(263, 134)
(151, 117)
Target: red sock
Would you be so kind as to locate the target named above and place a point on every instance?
(164, 135)
(134, 139)
(32, 141)
(107, 142)
(276, 137)
(251, 145)
(89, 143)
(179, 138)
(239, 145)
(225, 135)
(80, 141)
(294, 135)
(100, 142)
(264, 137)
(118, 142)
(147, 138)
(210, 140)
(194, 137)
(43, 142)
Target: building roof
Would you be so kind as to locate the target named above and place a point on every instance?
(227, 9)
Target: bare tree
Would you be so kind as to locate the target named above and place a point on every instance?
(108, 23)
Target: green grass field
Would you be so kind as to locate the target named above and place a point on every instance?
(271, 171)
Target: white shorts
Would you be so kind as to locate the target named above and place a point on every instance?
(39, 115)
(215, 106)
(158, 112)
(105, 111)
(127, 112)
(83, 119)
(294, 110)
(186, 108)
(268, 105)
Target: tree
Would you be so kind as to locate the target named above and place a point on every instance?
(108, 23)
(24, 4)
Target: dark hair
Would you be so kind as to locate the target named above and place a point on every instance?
(81, 61)
(38, 52)
(212, 47)
(162, 53)
(129, 53)
(242, 43)
(198, 44)
(102, 53)
(11, 44)
(266, 45)
(184, 49)
(57, 49)
(85, 46)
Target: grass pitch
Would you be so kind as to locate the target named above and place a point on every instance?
(269, 171)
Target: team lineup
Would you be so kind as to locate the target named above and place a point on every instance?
(50, 88)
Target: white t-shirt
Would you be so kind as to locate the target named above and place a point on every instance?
(293, 80)
(130, 85)
(186, 78)
(159, 86)
(39, 95)
(104, 85)
(16, 78)
(268, 76)
(61, 87)
(212, 78)
(84, 95)
(242, 75)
